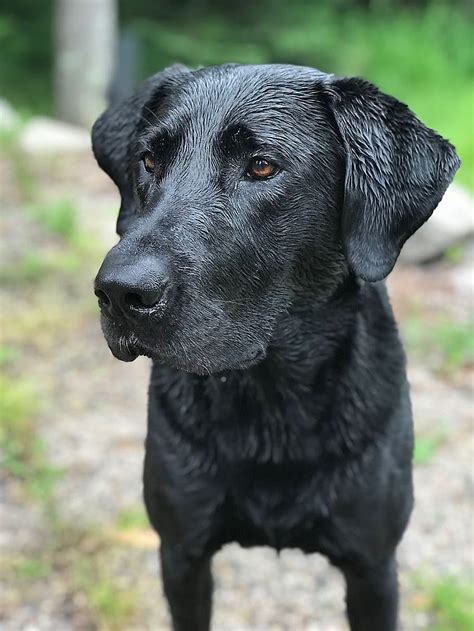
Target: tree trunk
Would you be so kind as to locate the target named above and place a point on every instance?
(85, 45)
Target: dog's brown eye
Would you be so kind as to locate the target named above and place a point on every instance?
(149, 162)
(261, 169)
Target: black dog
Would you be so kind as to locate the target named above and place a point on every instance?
(257, 201)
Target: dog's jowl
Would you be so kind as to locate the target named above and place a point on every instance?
(262, 207)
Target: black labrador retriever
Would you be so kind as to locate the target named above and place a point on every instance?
(261, 206)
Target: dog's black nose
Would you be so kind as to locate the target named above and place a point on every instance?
(115, 296)
(130, 287)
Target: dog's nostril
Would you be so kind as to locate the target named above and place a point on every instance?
(104, 300)
(133, 300)
(142, 301)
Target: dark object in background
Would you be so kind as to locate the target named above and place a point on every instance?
(256, 203)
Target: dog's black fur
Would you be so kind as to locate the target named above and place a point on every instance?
(279, 410)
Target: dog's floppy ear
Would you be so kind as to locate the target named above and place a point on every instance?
(113, 135)
(397, 171)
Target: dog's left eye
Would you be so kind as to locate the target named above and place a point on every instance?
(149, 162)
(261, 169)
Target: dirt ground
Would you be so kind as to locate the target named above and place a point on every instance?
(76, 550)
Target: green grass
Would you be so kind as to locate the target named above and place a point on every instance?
(455, 254)
(35, 267)
(85, 562)
(427, 446)
(21, 167)
(112, 604)
(8, 139)
(448, 343)
(22, 452)
(58, 217)
(449, 602)
(132, 517)
(8, 354)
(31, 569)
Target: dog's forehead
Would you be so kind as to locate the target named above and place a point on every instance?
(226, 95)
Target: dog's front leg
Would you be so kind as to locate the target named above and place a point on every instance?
(372, 597)
(187, 584)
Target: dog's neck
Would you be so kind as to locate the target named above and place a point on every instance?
(311, 394)
(310, 342)
(312, 333)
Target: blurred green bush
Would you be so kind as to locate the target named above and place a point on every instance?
(421, 52)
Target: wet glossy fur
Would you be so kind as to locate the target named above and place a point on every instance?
(279, 410)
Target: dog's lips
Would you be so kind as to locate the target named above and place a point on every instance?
(126, 345)
(123, 351)
(122, 344)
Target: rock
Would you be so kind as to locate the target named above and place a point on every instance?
(48, 136)
(9, 119)
(452, 222)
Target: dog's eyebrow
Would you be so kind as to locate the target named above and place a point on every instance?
(236, 134)
(241, 137)
(157, 137)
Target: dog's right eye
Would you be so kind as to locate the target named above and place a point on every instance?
(261, 169)
(149, 162)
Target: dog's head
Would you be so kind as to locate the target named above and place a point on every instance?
(241, 187)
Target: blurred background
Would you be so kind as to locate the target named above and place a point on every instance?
(76, 551)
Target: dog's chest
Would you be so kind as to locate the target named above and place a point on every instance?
(276, 505)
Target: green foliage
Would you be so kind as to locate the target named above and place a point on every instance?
(448, 343)
(422, 54)
(7, 355)
(59, 217)
(456, 343)
(132, 517)
(426, 447)
(26, 62)
(111, 603)
(34, 267)
(22, 451)
(31, 568)
(408, 53)
(454, 254)
(21, 168)
(30, 268)
(450, 602)
(8, 139)
(453, 604)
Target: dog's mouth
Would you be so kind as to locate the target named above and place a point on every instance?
(126, 346)
(124, 349)
(123, 343)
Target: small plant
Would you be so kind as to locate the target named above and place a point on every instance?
(426, 447)
(31, 568)
(20, 168)
(449, 343)
(455, 253)
(449, 602)
(59, 217)
(34, 267)
(7, 355)
(131, 518)
(22, 451)
(112, 604)
(455, 341)
(9, 138)
(28, 269)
